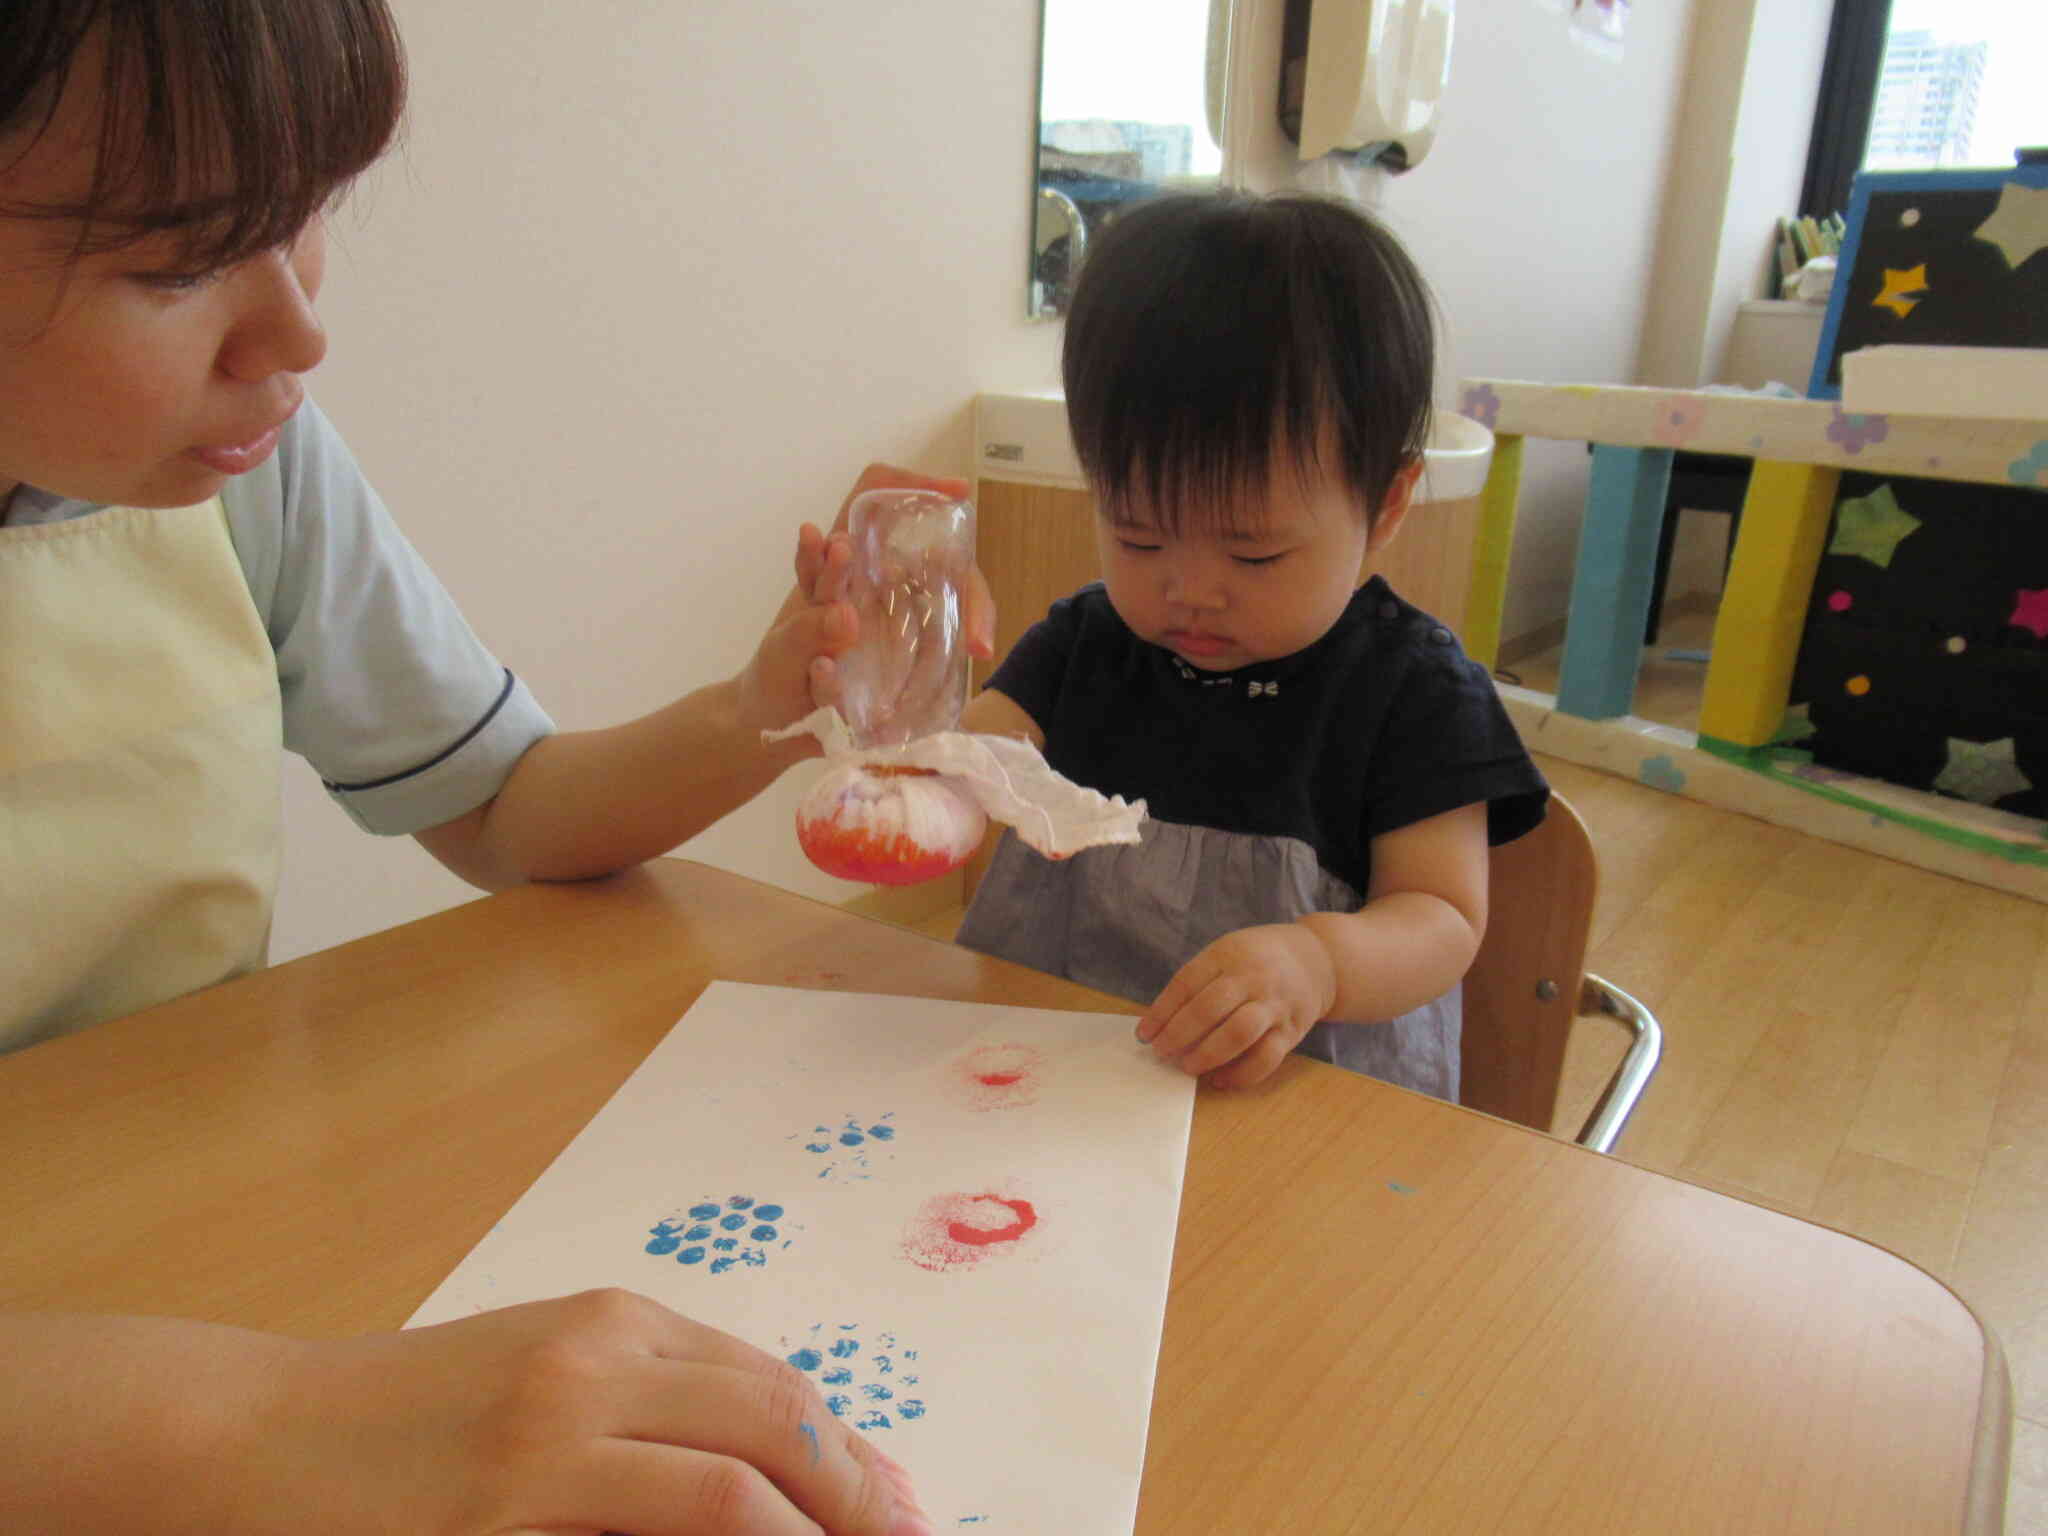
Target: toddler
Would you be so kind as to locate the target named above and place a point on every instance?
(1248, 384)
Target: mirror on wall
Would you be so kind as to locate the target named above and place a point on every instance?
(1129, 105)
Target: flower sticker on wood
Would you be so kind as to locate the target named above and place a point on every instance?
(1678, 420)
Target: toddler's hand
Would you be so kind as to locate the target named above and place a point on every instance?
(1238, 1007)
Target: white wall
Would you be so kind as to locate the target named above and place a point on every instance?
(644, 288)
(649, 282)
(1737, 164)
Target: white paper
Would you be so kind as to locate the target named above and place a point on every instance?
(1011, 1371)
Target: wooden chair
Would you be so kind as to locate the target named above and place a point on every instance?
(1529, 984)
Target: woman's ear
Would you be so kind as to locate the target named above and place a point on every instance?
(1393, 508)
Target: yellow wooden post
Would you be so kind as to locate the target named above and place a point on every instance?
(1763, 608)
(1490, 550)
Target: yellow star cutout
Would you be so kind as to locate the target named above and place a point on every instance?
(1901, 290)
(2018, 226)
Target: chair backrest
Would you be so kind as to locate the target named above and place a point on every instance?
(1523, 990)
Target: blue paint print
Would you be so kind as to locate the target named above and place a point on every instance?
(972, 1520)
(857, 1384)
(809, 1433)
(1401, 1189)
(849, 1144)
(700, 1225)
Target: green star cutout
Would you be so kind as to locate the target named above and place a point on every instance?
(1871, 526)
(1983, 771)
(2018, 226)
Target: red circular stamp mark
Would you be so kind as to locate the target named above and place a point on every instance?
(998, 1076)
(958, 1230)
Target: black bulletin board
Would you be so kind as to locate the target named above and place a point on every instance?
(1972, 294)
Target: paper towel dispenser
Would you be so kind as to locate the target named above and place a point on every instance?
(1364, 77)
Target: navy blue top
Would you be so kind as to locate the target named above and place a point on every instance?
(1382, 723)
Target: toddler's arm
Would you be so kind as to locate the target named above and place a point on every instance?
(584, 803)
(595, 1412)
(1237, 1008)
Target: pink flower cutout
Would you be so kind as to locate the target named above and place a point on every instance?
(1678, 421)
(2030, 611)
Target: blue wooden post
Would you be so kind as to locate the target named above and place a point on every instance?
(1603, 636)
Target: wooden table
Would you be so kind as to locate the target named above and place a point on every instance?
(1387, 1313)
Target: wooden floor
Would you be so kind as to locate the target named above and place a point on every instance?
(1847, 1039)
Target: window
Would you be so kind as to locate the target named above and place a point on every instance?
(1925, 84)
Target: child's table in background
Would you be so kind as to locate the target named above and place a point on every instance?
(1387, 1313)
(1801, 448)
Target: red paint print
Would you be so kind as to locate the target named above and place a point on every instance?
(954, 1231)
(997, 1076)
(982, 1237)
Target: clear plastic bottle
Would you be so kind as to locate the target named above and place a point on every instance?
(906, 675)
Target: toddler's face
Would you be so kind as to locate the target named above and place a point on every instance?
(1222, 600)
(122, 378)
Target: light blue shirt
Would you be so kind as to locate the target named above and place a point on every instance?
(387, 692)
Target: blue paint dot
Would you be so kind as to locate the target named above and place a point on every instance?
(872, 1421)
(875, 1392)
(845, 1349)
(838, 1376)
(703, 1212)
(720, 1266)
(884, 1366)
(882, 1132)
(806, 1360)
(740, 1202)
(764, 1234)
(768, 1213)
(753, 1258)
(733, 1222)
(911, 1408)
(690, 1256)
(851, 1138)
(817, 1146)
(698, 1233)
(665, 1239)
(811, 1435)
(725, 1244)
(839, 1402)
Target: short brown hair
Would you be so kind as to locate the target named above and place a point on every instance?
(229, 122)
(1211, 333)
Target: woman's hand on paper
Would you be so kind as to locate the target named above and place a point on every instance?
(597, 1412)
(1233, 1012)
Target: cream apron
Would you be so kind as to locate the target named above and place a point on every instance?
(140, 753)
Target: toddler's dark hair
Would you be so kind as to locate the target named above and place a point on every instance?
(1210, 333)
(228, 123)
